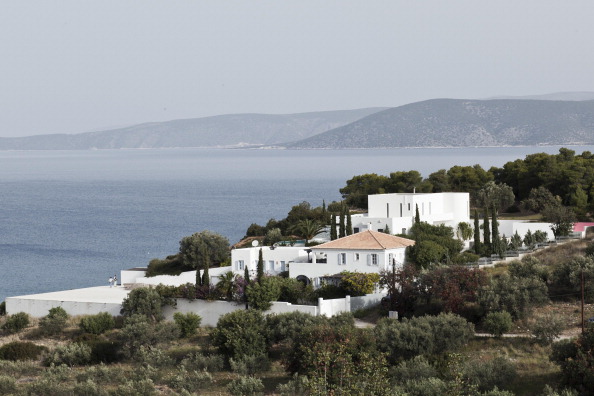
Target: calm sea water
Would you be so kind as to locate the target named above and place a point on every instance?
(70, 219)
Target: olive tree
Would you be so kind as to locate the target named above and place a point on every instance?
(192, 248)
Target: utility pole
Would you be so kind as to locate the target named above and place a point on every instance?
(582, 282)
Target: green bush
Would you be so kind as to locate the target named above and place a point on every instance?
(154, 357)
(102, 350)
(547, 328)
(486, 375)
(250, 364)
(190, 381)
(97, 324)
(18, 350)
(246, 386)
(285, 327)
(89, 388)
(187, 323)
(144, 301)
(144, 387)
(497, 323)
(199, 362)
(240, 333)
(74, 354)
(7, 385)
(417, 368)
(15, 323)
(54, 322)
(138, 331)
(261, 294)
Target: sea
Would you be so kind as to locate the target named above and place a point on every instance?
(72, 219)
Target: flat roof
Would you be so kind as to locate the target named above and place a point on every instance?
(97, 294)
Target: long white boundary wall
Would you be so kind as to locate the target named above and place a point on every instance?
(93, 300)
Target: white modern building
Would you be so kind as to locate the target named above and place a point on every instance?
(276, 259)
(397, 211)
(367, 252)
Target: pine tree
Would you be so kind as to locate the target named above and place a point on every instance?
(349, 223)
(333, 235)
(477, 233)
(341, 226)
(417, 215)
(260, 269)
(486, 230)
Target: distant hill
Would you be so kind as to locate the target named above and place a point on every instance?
(465, 123)
(553, 96)
(226, 131)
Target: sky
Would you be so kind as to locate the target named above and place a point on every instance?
(71, 66)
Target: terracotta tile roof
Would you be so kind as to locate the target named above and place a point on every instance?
(367, 240)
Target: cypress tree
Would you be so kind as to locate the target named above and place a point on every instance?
(477, 233)
(205, 275)
(486, 230)
(417, 215)
(333, 235)
(260, 269)
(387, 229)
(324, 216)
(349, 223)
(341, 226)
(246, 275)
(495, 231)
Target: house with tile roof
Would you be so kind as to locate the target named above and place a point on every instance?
(368, 251)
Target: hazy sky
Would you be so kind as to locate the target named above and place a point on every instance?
(75, 66)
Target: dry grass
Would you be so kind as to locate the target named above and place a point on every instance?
(532, 361)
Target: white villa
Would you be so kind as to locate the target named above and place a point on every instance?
(367, 251)
(397, 211)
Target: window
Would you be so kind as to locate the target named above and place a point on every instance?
(240, 265)
(271, 265)
(283, 266)
(356, 230)
(341, 258)
(356, 256)
(409, 206)
(372, 259)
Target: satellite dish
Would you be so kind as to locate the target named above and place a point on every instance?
(255, 243)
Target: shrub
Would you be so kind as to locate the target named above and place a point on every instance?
(18, 350)
(75, 354)
(287, 326)
(298, 386)
(153, 357)
(250, 364)
(97, 324)
(101, 374)
(497, 323)
(358, 283)
(144, 387)
(190, 381)
(246, 386)
(498, 372)
(200, 362)
(416, 368)
(187, 323)
(89, 388)
(15, 323)
(424, 387)
(7, 385)
(138, 331)
(261, 294)
(54, 322)
(240, 333)
(546, 328)
(144, 301)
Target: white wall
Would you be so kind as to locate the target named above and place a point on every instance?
(38, 308)
(249, 256)
(367, 301)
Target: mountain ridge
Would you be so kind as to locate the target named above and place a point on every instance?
(465, 123)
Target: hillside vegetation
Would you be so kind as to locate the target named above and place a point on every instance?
(465, 123)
